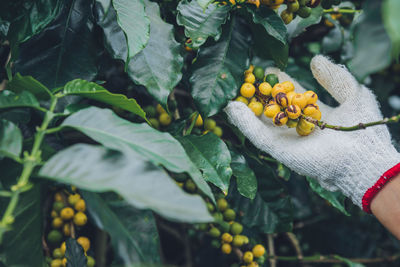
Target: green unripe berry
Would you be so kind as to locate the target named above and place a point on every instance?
(190, 186)
(304, 12)
(294, 6)
(236, 228)
(90, 262)
(57, 253)
(210, 207)
(214, 232)
(229, 215)
(222, 204)
(218, 216)
(209, 124)
(261, 260)
(180, 177)
(272, 79)
(215, 243)
(203, 227)
(151, 111)
(259, 73)
(224, 226)
(218, 131)
(154, 123)
(54, 237)
(57, 206)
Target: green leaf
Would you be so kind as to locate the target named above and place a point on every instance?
(140, 139)
(94, 91)
(67, 49)
(30, 17)
(135, 24)
(390, 9)
(25, 237)
(337, 199)
(140, 183)
(114, 37)
(9, 99)
(245, 178)
(158, 66)
(204, 3)
(334, 40)
(10, 140)
(74, 253)
(21, 83)
(211, 156)
(271, 210)
(298, 25)
(370, 55)
(270, 20)
(199, 23)
(133, 232)
(218, 70)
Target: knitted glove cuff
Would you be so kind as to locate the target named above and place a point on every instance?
(382, 181)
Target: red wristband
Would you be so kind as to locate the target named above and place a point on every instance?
(371, 193)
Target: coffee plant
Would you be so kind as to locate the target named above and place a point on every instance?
(115, 149)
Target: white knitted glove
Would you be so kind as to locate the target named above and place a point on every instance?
(351, 162)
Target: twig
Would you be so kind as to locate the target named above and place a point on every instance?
(101, 248)
(296, 244)
(188, 252)
(334, 259)
(322, 125)
(341, 10)
(271, 250)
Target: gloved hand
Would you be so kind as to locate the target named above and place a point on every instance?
(357, 163)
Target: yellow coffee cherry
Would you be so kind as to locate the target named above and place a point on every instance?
(245, 239)
(238, 241)
(218, 131)
(247, 90)
(293, 111)
(299, 100)
(254, 2)
(58, 197)
(311, 97)
(64, 262)
(253, 99)
(265, 88)
(56, 263)
(57, 222)
(242, 99)
(271, 110)
(226, 248)
(288, 86)
(199, 120)
(304, 127)
(80, 219)
(290, 96)
(271, 101)
(256, 107)
(80, 205)
(84, 242)
(249, 70)
(222, 204)
(227, 238)
(287, 16)
(312, 110)
(252, 264)
(258, 250)
(63, 248)
(165, 119)
(67, 229)
(54, 214)
(160, 109)
(281, 99)
(250, 78)
(67, 213)
(292, 123)
(248, 257)
(72, 199)
(57, 253)
(280, 119)
(278, 88)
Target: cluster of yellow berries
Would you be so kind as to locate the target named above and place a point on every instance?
(157, 116)
(279, 101)
(68, 215)
(209, 125)
(227, 234)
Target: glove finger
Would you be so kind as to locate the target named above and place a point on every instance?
(253, 128)
(336, 79)
(282, 76)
